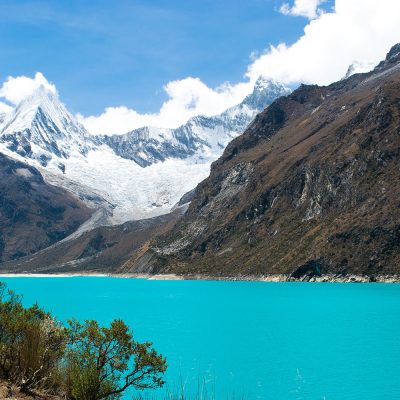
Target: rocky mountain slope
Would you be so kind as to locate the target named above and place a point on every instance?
(130, 177)
(312, 187)
(101, 250)
(33, 214)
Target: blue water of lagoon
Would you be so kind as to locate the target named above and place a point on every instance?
(250, 340)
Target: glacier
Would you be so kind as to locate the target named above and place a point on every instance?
(137, 175)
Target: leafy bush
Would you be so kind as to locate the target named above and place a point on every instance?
(104, 362)
(81, 361)
(31, 342)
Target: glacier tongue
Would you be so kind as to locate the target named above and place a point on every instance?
(137, 175)
(133, 192)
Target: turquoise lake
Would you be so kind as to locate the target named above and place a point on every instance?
(250, 340)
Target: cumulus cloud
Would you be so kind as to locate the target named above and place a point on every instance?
(302, 8)
(354, 30)
(4, 108)
(186, 98)
(15, 89)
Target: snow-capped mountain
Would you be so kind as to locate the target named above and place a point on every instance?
(203, 137)
(40, 127)
(136, 175)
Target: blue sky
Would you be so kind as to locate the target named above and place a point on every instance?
(122, 64)
(122, 52)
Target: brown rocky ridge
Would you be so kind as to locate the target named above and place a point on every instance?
(33, 214)
(311, 188)
(100, 250)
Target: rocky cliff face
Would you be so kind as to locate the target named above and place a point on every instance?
(311, 187)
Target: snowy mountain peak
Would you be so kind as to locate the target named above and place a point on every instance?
(264, 93)
(264, 83)
(41, 126)
(202, 137)
(41, 102)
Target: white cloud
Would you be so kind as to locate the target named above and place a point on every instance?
(302, 8)
(186, 98)
(354, 30)
(16, 89)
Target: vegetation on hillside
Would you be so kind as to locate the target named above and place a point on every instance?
(79, 361)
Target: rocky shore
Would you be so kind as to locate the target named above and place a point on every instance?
(349, 278)
(274, 278)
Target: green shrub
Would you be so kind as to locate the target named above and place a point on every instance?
(103, 362)
(31, 342)
(83, 361)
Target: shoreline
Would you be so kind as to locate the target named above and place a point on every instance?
(351, 278)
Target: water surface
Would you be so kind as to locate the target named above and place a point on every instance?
(258, 340)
